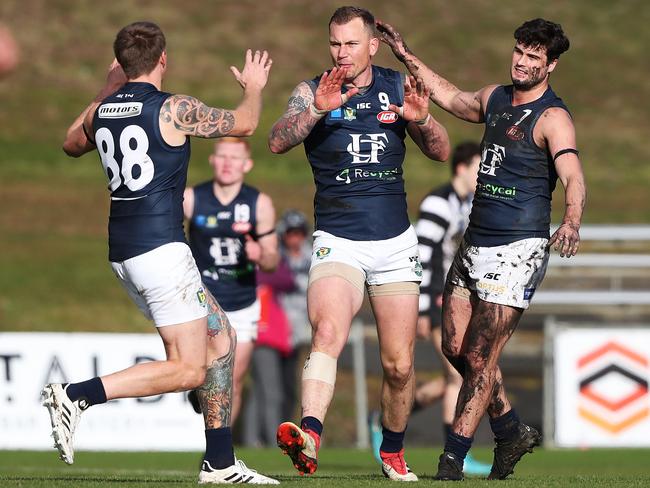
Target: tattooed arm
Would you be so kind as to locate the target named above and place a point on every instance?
(296, 123)
(183, 115)
(469, 106)
(306, 108)
(431, 138)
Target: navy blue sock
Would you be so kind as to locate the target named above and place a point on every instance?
(218, 448)
(458, 445)
(393, 441)
(92, 390)
(505, 426)
(312, 423)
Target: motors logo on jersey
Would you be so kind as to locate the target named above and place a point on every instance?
(491, 158)
(119, 110)
(387, 117)
(366, 148)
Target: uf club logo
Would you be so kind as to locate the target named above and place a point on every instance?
(373, 146)
(491, 159)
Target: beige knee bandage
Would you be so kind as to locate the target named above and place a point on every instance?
(321, 367)
(349, 273)
(397, 288)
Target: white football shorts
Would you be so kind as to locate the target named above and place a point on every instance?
(508, 274)
(165, 284)
(245, 321)
(386, 261)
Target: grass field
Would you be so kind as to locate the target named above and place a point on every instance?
(338, 467)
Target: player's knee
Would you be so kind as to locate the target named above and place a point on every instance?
(475, 362)
(327, 339)
(192, 377)
(398, 373)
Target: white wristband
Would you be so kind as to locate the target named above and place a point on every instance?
(424, 121)
(317, 114)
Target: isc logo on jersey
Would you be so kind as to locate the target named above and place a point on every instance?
(119, 110)
(387, 117)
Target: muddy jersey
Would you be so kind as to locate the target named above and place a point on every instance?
(217, 239)
(516, 178)
(356, 154)
(146, 175)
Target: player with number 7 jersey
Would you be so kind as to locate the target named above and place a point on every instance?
(142, 136)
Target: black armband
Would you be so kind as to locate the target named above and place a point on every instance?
(90, 139)
(564, 151)
(264, 234)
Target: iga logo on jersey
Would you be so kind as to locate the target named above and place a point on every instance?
(387, 117)
(375, 143)
(119, 110)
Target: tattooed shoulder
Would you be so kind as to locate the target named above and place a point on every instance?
(193, 117)
(299, 100)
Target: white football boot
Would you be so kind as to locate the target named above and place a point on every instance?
(237, 473)
(64, 416)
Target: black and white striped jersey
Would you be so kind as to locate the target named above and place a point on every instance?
(442, 221)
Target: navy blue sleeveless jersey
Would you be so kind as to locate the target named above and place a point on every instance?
(217, 238)
(146, 175)
(516, 178)
(356, 154)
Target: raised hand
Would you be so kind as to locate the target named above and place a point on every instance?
(328, 95)
(115, 78)
(393, 39)
(416, 100)
(566, 240)
(256, 70)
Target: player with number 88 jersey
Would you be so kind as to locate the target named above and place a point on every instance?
(146, 197)
(142, 136)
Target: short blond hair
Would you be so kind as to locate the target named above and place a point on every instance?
(236, 140)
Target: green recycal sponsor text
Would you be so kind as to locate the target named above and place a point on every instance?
(497, 191)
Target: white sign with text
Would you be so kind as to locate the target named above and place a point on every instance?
(30, 360)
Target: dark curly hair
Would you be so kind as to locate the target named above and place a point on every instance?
(543, 33)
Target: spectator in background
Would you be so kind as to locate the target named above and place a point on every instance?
(263, 409)
(231, 234)
(295, 249)
(9, 54)
(284, 332)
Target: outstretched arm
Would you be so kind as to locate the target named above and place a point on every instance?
(184, 115)
(558, 130)
(305, 109)
(76, 141)
(468, 106)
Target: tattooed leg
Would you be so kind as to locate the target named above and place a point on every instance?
(215, 395)
(490, 328)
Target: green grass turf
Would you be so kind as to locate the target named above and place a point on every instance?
(338, 467)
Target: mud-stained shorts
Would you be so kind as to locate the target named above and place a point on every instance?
(165, 284)
(508, 274)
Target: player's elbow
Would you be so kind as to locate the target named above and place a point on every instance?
(71, 149)
(276, 146)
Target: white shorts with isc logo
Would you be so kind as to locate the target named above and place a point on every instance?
(386, 261)
(508, 274)
(165, 284)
